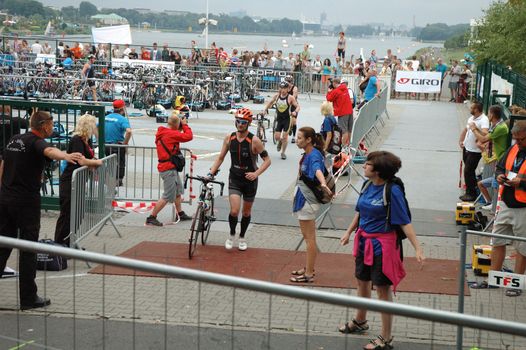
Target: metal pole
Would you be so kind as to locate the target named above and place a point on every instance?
(461, 281)
(206, 26)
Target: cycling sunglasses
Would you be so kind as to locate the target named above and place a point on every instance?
(242, 121)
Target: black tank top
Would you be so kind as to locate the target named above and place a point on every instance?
(283, 107)
(243, 160)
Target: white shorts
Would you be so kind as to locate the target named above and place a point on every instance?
(308, 212)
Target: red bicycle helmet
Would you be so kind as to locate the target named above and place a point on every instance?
(245, 114)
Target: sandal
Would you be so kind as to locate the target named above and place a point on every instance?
(355, 327)
(513, 292)
(379, 343)
(482, 285)
(300, 272)
(302, 279)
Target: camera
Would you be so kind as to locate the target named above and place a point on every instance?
(331, 85)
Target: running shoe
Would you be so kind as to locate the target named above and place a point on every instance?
(152, 221)
(242, 244)
(184, 217)
(229, 243)
(293, 140)
(283, 156)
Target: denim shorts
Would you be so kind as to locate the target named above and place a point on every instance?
(490, 182)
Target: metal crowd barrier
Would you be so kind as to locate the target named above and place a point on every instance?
(367, 119)
(492, 304)
(204, 299)
(92, 194)
(142, 181)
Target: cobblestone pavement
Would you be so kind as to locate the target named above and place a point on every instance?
(185, 303)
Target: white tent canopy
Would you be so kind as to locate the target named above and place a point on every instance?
(112, 35)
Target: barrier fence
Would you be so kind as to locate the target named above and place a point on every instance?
(489, 301)
(140, 178)
(367, 119)
(127, 298)
(92, 194)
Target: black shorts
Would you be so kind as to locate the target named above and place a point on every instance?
(341, 53)
(91, 83)
(283, 125)
(316, 77)
(242, 187)
(371, 273)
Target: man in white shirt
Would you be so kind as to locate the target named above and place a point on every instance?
(455, 73)
(316, 73)
(471, 153)
(289, 62)
(36, 48)
(126, 51)
(46, 48)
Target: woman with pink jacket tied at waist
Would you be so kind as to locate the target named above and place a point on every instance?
(378, 259)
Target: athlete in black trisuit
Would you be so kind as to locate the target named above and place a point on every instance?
(294, 91)
(284, 103)
(244, 148)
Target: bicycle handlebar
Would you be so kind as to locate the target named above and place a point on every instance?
(205, 180)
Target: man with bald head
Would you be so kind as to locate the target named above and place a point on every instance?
(20, 181)
(167, 141)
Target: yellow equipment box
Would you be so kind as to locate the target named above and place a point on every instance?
(481, 259)
(465, 213)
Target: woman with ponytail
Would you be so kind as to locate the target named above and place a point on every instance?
(305, 204)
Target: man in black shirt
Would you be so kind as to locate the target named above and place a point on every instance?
(9, 126)
(20, 180)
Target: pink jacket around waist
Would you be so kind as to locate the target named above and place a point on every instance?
(392, 266)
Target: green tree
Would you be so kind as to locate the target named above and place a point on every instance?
(500, 35)
(87, 9)
(69, 13)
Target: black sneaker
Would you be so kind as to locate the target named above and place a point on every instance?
(184, 217)
(38, 302)
(467, 198)
(152, 221)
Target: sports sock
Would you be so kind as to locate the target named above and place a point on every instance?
(245, 221)
(232, 220)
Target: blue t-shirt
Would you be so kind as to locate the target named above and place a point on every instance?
(68, 62)
(114, 127)
(373, 213)
(442, 68)
(311, 162)
(371, 89)
(327, 125)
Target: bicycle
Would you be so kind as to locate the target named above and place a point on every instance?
(204, 214)
(260, 126)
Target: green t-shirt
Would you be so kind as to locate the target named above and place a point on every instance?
(499, 137)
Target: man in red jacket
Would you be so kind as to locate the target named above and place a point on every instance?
(168, 138)
(338, 94)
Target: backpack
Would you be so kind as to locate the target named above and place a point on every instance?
(335, 145)
(400, 234)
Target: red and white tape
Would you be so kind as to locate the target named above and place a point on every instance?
(138, 207)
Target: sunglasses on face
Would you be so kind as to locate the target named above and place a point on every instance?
(241, 121)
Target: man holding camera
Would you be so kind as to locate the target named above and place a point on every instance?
(338, 94)
(167, 141)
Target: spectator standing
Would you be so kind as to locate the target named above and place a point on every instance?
(165, 54)
(155, 53)
(317, 66)
(455, 73)
(372, 89)
(495, 142)
(80, 143)
(46, 49)
(342, 102)
(341, 46)
(328, 124)
(442, 68)
(170, 138)
(326, 74)
(511, 218)
(376, 248)
(118, 131)
(126, 52)
(305, 204)
(471, 152)
(20, 183)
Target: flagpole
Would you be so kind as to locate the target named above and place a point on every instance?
(206, 26)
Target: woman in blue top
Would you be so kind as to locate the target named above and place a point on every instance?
(376, 249)
(305, 204)
(326, 73)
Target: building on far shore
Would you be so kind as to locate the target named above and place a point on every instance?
(111, 20)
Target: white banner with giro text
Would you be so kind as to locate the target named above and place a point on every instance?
(426, 82)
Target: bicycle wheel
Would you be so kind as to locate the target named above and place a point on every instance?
(197, 226)
(207, 220)
(274, 126)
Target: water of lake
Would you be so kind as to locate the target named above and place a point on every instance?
(324, 46)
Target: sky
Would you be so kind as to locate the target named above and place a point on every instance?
(338, 12)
